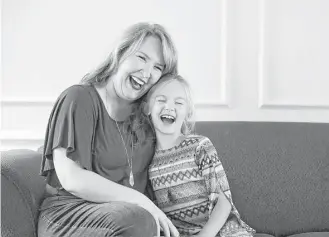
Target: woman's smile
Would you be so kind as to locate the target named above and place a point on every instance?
(136, 83)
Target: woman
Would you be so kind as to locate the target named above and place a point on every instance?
(97, 147)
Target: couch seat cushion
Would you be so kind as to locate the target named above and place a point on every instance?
(263, 235)
(311, 234)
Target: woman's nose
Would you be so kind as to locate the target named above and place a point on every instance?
(146, 73)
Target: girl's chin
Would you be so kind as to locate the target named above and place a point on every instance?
(165, 131)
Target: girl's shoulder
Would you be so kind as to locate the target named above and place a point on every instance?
(200, 143)
(200, 139)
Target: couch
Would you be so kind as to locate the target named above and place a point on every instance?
(278, 174)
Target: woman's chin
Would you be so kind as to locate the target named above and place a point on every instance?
(131, 96)
(132, 93)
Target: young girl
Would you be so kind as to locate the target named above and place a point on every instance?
(186, 174)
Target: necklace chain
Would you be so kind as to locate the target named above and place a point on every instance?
(130, 160)
(124, 144)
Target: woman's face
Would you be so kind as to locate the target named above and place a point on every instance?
(140, 71)
(168, 108)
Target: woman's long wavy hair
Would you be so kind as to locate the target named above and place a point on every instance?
(130, 41)
(188, 126)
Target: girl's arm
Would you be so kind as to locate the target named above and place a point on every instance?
(216, 183)
(218, 217)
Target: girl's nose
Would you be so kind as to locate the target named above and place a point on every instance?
(168, 110)
(169, 106)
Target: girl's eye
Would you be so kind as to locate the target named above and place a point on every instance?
(158, 68)
(141, 57)
(161, 100)
(179, 103)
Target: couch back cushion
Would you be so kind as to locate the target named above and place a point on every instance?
(21, 192)
(278, 172)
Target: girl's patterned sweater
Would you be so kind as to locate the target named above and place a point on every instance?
(186, 180)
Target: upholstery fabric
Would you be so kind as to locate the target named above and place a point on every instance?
(311, 234)
(278, 175)
(262, 235)
(21, 192)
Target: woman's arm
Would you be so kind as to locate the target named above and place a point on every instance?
(95, 188)
(89, 185)
(218, 217)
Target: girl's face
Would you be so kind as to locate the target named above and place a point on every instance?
(140, 71)
(168, 108)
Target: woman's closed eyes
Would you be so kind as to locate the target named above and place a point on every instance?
(144, 59)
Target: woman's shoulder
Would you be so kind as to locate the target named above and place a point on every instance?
(77, 98)
(79, 94)
(77, 91)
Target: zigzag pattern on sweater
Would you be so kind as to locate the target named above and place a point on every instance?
(183, 144)
(209, 161)
(165, 157)
(190, 212)
(174, 177)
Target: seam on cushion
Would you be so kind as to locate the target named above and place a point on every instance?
(24, 200)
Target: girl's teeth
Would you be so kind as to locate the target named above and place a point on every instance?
(168, 116)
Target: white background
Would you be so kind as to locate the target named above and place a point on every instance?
(246, 60)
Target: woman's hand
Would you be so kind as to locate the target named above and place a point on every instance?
(161, 219)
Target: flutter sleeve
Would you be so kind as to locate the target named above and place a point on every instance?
(71, 126)
(216, 181)
(212, 170)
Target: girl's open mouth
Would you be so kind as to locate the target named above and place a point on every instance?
(167, 119)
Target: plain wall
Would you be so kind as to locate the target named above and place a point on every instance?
(246, 60)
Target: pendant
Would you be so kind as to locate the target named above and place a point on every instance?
(131, 178)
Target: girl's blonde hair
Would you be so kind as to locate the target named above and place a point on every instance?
(127, 44)
(189, 121)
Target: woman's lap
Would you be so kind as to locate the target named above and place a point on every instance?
(71, 216)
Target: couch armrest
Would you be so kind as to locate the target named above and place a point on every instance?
(21, 192)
